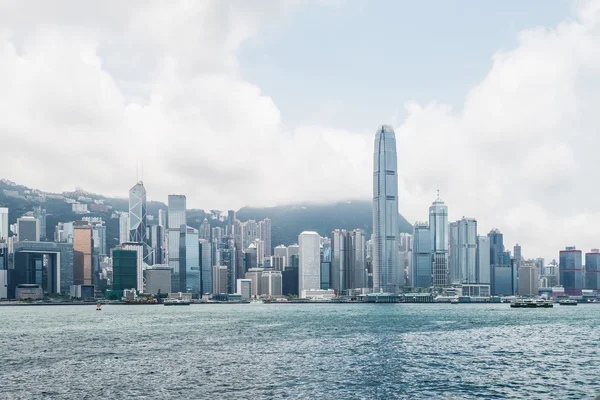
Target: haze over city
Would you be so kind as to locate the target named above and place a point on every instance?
(277, 102)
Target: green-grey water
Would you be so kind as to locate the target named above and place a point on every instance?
(301, 351)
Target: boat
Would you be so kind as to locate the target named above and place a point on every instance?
(532, 303)
(98, 307)
(568, 302)
(454, 301)
(176, 302)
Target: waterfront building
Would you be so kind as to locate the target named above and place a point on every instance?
(157, 242)
(255, 275)
(206, 265)
(309, 271)
(123, 227)
(438, 230)
(189, 258)
(3, 224)
(28, 229)
(528, 280)
(82, 255)
(204, 231)
(502, 280)
(291, 278)
(385, 212)
(271, 283)
(36, 263)
(3, 269)
(406, 257)
(463, 251)
(422, 265)
(358, 268)
(483, 260)
(176, 218)
(158, 279)
(140, 265)
(125, 269)
(219, 279)
(341, 254)
(592, 270)
(570, 268)
(244, 288)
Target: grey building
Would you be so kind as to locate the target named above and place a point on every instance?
(206, 265)
(483, 260)
(158, 279)
(438, 230)
(176, 218)
(422, 266)
(463, 251)
(137, 215)
(592, 270)
(28, 229)
(385, 212)
(189, 260)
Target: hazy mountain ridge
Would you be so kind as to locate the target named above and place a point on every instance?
(287, 221)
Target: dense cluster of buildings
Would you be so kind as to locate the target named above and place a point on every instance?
(163, 254)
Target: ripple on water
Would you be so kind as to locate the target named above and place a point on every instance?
(391, 351)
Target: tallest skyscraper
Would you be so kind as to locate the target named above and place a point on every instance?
(387, 272)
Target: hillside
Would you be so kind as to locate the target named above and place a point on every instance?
(287, 221)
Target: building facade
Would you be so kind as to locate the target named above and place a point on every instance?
(385, 211)
(422, 266)
(176, 217)
(309, 271)
(438, 230)
(570, 269)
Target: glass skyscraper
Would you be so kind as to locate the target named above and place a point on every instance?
(570, 268)
(422, 265)
(137, 213)
(385, 212)
(438, 230)
(176, 218)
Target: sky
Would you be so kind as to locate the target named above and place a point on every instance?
(272, 102)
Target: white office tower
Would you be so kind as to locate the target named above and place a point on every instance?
(162, 218)
(281, 251)
(244, 288)
(3, 224)
(463, 251)
(123, 228)
(385, 212)
(438, 230)
(265, 235)
(309, 273)
(271, 283)
(483, 260)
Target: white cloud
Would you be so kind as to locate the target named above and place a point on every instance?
(88, 89)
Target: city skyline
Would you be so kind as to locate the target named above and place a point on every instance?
(475, 124)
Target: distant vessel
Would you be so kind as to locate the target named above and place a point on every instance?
(176, 302)
(454, 301)
(98, 307)
(532, 303)
(568, 302)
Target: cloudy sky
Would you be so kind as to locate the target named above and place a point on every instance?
(265, 102)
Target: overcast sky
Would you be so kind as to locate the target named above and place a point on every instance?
(497, 104)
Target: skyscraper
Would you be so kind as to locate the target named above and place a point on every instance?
(3, 224)
(230, 223)
(438, 230)
(176, 218)
(496, 246)
(341, 254)
(467, 250)
(189, 258)
(281, 251)
(206, 265)
(385, 211)
(265, 236)
(204, 231)
(422, 266)
(309, 271)
(592, 270)
(137, 214)
(82, 255)
(483, 260)
(123, 227)
(570, 268)
(162, 218)
(40, 214)
(358, 271)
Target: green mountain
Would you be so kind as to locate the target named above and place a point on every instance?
(287, 222)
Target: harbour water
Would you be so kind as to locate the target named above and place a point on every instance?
(297, 351)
